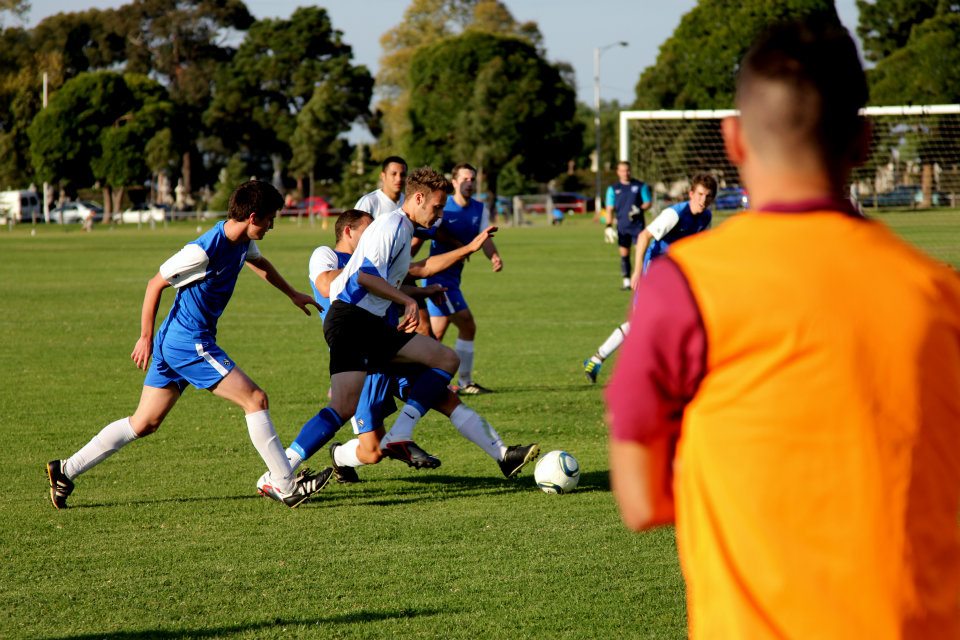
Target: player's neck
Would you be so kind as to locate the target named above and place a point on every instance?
(460, 200)
(394, 197)
(235, 230)
(771, 187)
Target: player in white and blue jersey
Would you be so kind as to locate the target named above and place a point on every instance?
(185, 352)
(463, 219)
(389, 197)
(626, 200)
(672, 224)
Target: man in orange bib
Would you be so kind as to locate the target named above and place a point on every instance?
(789, 392)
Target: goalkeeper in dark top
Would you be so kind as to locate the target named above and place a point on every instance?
(627, 199)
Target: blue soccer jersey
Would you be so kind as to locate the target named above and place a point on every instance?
(464, 224)
(204, 274)
(672, 224)
(627, 200)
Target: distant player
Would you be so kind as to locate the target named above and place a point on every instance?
(673, 223)
(185, 351)
(463, 219)
(389, 197)
(377, 399)
(360, 339)
(627, 200)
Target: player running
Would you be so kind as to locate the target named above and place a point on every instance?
(673, 223)
(463, 219)
(185, 351)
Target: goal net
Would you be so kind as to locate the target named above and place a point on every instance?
(914, 157)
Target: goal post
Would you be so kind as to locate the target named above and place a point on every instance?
(914, 153)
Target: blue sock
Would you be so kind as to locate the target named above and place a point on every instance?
(316, 432)
(429, 387)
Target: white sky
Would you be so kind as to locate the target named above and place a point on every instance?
(571, 30)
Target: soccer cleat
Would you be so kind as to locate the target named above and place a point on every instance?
(305, 485)
(409, 452)
(344, 475)
(591, 369)
(517, 456)
(625, 285)
(60, 485)
(473, 389)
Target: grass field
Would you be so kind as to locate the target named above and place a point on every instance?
(168, 539)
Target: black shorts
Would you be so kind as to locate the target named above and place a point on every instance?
(627, 240)
(359, 340)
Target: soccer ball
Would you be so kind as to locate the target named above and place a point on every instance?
(557, 472)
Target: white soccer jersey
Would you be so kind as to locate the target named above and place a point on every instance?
(323, 259)
(377, 202)
(663, 223)
(384, 251)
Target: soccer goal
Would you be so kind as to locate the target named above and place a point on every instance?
(914, 157)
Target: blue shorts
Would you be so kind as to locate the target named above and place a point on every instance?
(377, 397)
(454, 302)
(202, 364)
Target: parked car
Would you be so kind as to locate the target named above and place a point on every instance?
(72, 212)
(145, 213)
(904, 195)
(20, 206)
(317, 205)
(565, 201)
(731, 198)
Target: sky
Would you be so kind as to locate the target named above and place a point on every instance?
(571, 30)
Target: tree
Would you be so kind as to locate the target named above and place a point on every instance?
(491, 100)
(426, 22)
(885, 25)
(283, 69)
(18, 8)
(696, 66)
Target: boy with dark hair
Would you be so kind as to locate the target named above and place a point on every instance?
(389, 197)
(185, 351)
(790, 382)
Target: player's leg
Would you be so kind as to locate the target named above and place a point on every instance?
(346, 388)
(466, 334)
(154, 405)
(440, 316)
(624, 242)
(591, 366)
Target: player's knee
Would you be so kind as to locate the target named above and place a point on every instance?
(370, 453)
(145, 426)
(448, 360)
(258, 401)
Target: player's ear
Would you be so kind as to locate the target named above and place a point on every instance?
(733, 139)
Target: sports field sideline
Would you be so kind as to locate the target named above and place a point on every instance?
(168, 539)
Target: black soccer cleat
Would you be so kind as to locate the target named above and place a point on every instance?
(473, 389)
(408, 452)
(306, 484)
(344, 475)
(60, 485)
(516, 457)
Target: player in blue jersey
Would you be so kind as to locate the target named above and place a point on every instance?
(679, 221)
(377, 398)
(463, 219)
(626, 200)
(204, 274)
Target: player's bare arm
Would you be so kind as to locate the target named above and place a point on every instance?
(148, 317)
(490, 250)
(436, 264)
(380, 287)
(643, 502)
(643, 241)
(324, 279)
(265, 269)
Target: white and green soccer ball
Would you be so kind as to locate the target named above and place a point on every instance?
(557, 472)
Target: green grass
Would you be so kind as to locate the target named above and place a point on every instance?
(167, 539)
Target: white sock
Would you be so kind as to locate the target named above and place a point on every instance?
(464, 349)
(346, 454)
(294, 459)
(267, 443)
(402, 429)
(478, 431)
(613, 342)
(103, 445)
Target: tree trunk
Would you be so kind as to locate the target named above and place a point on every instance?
(117, 199)
(107, 203)
(185, 172)
(926, 184)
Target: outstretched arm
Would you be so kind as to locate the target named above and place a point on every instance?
(643, 241)
(436, 264)
(265, 269)
(148, 317)
(490, 250)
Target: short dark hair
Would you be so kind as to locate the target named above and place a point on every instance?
(349, 218)
(425, 180)
(624, 162)
(706, 181)
(257, 197)
(461, 165)
(815, 66)
(392, 160)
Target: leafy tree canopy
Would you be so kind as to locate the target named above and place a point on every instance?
(926, 70)
(885, 25)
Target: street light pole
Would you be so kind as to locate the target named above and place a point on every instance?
(597, 51)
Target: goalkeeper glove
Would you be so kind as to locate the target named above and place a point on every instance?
(636, 213)
(609, 235)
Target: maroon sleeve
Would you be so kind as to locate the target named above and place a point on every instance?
(662, 360)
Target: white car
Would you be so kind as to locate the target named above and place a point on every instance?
(145, 213)
(72, 212)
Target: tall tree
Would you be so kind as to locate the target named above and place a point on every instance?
(491, 100)
(424, 23)
(696, 66)
(283, 67)
(885, 25)
(18, 8)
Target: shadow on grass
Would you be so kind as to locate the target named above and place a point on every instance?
(213, 632)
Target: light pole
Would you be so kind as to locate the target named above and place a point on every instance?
(596, 115)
